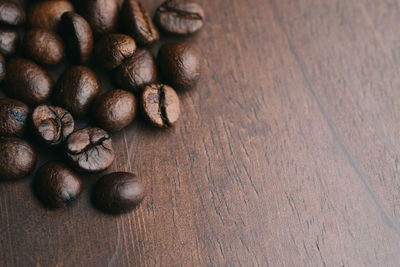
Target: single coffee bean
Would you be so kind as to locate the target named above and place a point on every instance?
(90, 149)
(11, 13)
(8, 41)
(160, 105)
(115, 110)
(118, 192)
(56, 185)
(138, 23)
(102, 15)
(17, 158)
(137, 71)
(44, 47)
(52, 124)
(13, 117)
(180, 17)
(76, 89)
(27, 82)
(47, 14)
(2, 67)
(78, 37)
(112, 49)
(180, 65)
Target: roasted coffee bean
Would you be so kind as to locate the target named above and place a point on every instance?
(13, 117)
(11, 13)
(47, 14)
(118, 192)
(90, 149)
(44, 47)
(2, 67)
(137, 71)
(160, 105)
(102, 15)
(17, 158)
(76, 89)
(180, 17)
(179, 64)
(56, 185)
(115, 110)
(78, 37)
(52, 124)
(27, 82)
(138, 23)
(112, 49)
(8, 41)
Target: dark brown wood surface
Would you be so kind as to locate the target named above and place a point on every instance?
(287, 153)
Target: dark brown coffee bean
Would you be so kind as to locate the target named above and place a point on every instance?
(137, 71)
(112, 49)
(138, 23)
(56, 185)
(78, 36)
(8, 41)
(27, 82)
(47, 14)
(2, 67)
(179, 64)
(52, 124)
(11, 13)
(118, 192)
(13, 117)
(44, 47)
(115, 110)
(102, 15)
(17, 158)
(76, 89)
(90, 149)
(160, 105)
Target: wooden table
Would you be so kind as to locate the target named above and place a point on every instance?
(287, 153)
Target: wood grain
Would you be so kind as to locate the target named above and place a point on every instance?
(287, 153)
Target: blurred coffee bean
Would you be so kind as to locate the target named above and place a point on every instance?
(44, 47)
(114, 48)
(26, 81)
(11, 13)
(90, 149)
(77, 87)
(138, 23)
(13, 117)
(78, 37)
(47, 14)
(2, 67)
(52, 124)
(8, 41)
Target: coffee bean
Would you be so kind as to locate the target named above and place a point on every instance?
(136, 71)
(160, 105)
(180, 17)
(47, 14)
(112, 49)
(102, 15)
(44, 47)
(118, 192)
(90, 149)
(2, 67)
(52, 124)
(56, 185)
(8, 41)
(78, 37)
(11, 13)
(76, 89)
(115, 110)
(27, 82)
(17, 158)
(138, 23)
(13, 117)
(179, 64)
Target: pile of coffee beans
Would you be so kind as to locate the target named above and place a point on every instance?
(118, 36)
